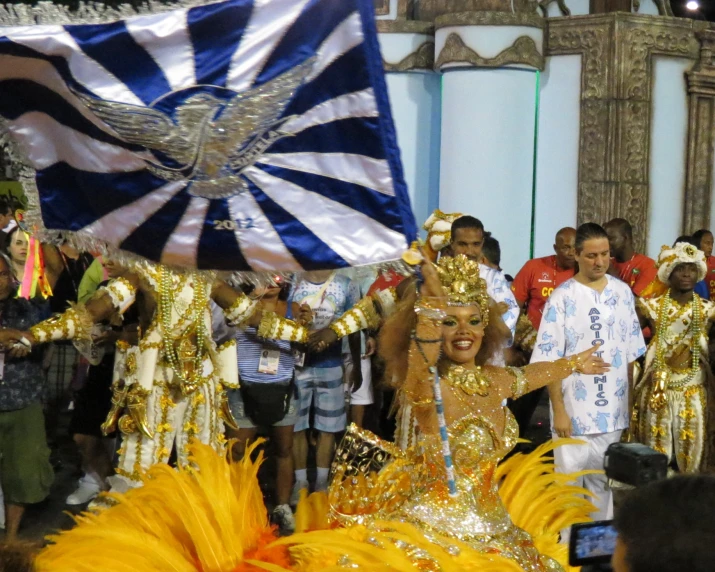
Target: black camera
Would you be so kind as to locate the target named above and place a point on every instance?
(634, 464)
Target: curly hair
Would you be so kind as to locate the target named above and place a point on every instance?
(395, 337)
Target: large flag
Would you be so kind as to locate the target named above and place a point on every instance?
(236, 135)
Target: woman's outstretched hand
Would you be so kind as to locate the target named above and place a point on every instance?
(590, 364)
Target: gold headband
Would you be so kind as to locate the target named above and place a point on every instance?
(463, 285)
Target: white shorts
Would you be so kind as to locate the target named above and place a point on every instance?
(363, 395)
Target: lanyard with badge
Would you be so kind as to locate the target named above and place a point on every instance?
(299, 356)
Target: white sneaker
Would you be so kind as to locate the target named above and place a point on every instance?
(295, 495)
(283, 517)
(86, 491)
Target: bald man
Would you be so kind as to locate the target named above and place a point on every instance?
(537, 279)
(532, 287)
(635, 269)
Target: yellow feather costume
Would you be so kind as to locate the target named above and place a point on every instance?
(212, 519)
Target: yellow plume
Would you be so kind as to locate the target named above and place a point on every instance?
(207, 517)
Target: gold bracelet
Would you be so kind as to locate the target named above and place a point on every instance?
(423, 401)
(575, 364)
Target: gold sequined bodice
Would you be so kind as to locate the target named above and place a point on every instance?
(477, 447)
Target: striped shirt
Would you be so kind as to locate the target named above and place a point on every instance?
(250, 349)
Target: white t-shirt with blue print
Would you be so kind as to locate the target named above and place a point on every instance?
(577, 317)
(499, 290)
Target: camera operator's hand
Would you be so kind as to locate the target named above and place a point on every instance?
(562, 423)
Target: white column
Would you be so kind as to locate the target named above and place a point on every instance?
(414, 91)
(669, 131)
(488, 126)
(557, 151)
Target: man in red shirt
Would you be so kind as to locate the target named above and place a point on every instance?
(537, 279)
(635, 269)
(532, 286)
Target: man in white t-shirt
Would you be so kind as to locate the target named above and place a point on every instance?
(591, 309)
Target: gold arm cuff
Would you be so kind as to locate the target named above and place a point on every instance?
(362, 316)
(520, 385)
(417, 401)
(121, 292)
(387, 301)
(275, 327)
(241, 309)
(74, 324)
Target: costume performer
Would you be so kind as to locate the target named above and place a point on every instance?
(169, 388)
(455, 332)
(394, 507)
(672, 394)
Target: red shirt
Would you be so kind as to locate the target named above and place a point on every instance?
(638, 272)
(388, 279)
(534, 284)
(710, 276)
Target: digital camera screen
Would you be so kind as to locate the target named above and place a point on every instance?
(592, 543)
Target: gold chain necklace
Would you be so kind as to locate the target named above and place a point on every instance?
(662, 373)
(196, 308)
(468, 381)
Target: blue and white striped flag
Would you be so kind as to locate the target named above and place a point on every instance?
(236, 135)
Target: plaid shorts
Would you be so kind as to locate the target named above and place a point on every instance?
(323, 388)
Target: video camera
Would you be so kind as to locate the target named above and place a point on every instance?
(592, 544)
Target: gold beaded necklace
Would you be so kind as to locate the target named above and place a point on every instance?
(195, 312)
(661, 369)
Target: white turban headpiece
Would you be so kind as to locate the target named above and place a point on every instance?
(681, 253)
(439, 229)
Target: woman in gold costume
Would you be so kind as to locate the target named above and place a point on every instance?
(452, 333)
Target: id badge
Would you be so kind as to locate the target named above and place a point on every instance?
(298, 358)
(269, 361)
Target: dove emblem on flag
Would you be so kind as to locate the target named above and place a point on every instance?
(205, 140)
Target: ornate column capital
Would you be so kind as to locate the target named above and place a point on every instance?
(407, 44)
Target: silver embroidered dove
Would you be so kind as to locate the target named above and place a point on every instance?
(209, 140)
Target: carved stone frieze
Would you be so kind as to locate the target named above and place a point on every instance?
(421, 59)
(404, 27)
(522, 51)
(405, 8)
(616, 85)
(431, 9)
(489, 19)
